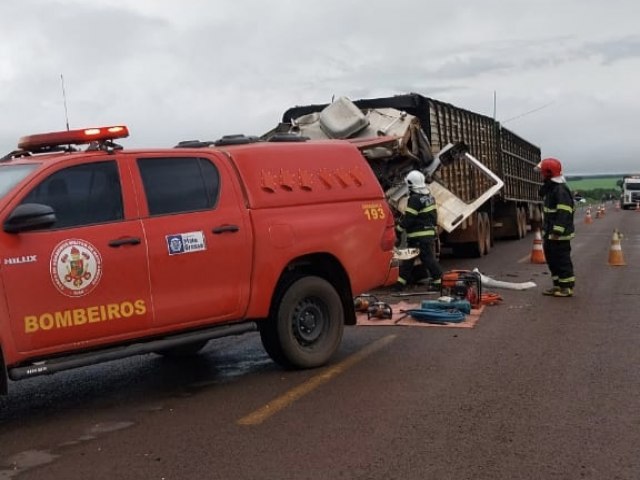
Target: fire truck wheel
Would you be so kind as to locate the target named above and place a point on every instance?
(306, 324)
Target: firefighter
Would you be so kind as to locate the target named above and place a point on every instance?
(558, 227)
(419, 223)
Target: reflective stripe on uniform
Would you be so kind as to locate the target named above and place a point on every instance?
(428, 209)
(567, 208)
(423, 233)
(411, 211)
(571, 236)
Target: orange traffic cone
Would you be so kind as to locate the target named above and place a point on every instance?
(615, 251)
(637, 206)
(537, 254)
(587, 217)
(618, 205)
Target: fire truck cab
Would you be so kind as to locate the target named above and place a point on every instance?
(108, 252)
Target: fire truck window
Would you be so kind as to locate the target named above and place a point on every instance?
(176, 185)
(82, 195)
(11, 175)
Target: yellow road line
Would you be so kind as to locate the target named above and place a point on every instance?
(274, 406)
(526, 258)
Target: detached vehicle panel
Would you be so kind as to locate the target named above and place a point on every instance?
(109, 252)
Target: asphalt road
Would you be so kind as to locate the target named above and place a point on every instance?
(541, 388)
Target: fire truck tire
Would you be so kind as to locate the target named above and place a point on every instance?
(306, 325)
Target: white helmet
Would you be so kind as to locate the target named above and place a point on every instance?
(416, 182)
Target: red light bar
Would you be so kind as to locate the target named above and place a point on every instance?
(72, 137)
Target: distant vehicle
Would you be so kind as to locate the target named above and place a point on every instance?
(630, 196)
(109, 252)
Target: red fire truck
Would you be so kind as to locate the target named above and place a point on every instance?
(109, 252)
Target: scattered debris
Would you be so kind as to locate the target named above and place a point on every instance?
(490, 282)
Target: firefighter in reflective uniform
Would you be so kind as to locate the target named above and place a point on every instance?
(557, 228)
(420, 225)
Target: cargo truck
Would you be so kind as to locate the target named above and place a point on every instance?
(506, 208)
(630, 197)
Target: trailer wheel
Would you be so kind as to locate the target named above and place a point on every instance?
(522, 222)
(306, 326)
(536, 218)
(477, 248)
(487, 232)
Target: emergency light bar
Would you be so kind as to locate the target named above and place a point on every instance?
(41, 141)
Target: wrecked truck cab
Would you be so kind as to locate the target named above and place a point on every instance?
(490, 192)
(394, 143)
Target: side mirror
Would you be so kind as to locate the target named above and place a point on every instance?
(29, 216)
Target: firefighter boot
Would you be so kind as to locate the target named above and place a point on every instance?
(435, 285)
(551, 291)
(564, 292)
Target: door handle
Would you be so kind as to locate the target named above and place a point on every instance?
(124, 241)
(225, 228)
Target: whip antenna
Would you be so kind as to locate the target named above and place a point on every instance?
(64, 100)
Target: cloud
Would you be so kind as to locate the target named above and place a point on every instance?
(616, 50)
(199, 69)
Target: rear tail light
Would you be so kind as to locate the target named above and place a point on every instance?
(389, 235)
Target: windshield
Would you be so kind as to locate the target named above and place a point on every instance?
(632, 186)
(11, 175)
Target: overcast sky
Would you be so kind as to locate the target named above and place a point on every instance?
(566, 72)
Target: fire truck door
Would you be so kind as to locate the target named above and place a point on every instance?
(198, 239)
(85, 279)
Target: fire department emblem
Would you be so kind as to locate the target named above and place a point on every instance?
(76, 267)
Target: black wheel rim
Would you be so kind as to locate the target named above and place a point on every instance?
(309, 321)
